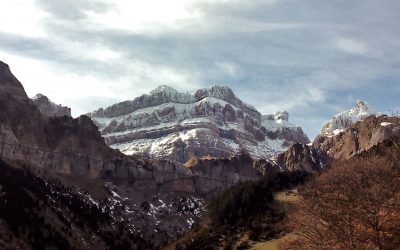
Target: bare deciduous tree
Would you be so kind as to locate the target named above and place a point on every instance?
(354, 205)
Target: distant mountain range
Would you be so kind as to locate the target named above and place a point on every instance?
(168, 124)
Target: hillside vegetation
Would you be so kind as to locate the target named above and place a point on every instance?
(248, 208)
(353, 205)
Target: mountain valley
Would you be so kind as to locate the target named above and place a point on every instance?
(148, 173)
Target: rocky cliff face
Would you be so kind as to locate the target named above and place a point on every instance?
(168, 124)
(48, 107)
(216, 174)
(23, 124)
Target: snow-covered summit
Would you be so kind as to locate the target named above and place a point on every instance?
(165, 89)
(341, 121)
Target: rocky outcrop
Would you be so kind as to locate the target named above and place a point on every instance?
(48, 107)
(167, 124)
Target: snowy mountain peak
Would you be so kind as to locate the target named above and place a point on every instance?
(164, 89)
(341, 121)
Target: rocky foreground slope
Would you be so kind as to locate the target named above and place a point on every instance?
(167, 124)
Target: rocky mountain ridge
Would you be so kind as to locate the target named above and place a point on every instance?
(167, 124)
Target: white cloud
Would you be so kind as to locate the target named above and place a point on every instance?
(138, 15)
(351, 46)
(104, 54)
(21, 17)
(155, 16)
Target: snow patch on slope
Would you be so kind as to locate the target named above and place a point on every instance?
(385, 124)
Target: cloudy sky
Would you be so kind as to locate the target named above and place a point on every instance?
(312, 58)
